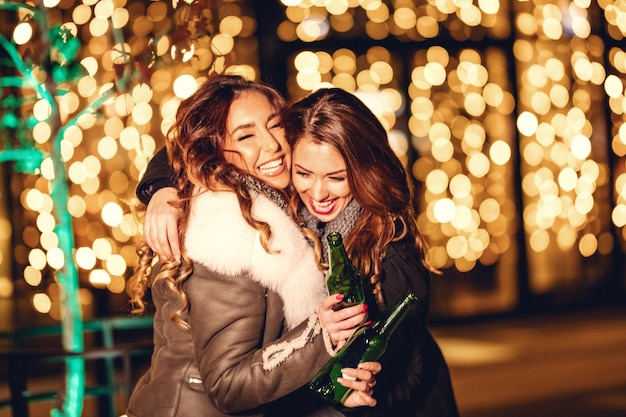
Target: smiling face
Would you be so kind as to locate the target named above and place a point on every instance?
(321, 179)
(255, 140)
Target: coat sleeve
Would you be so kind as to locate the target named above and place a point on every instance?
(159, 174)
(229, 321)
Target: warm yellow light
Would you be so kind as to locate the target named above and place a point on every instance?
(337, 7)
(309, 79)
(437, 181)
(500, 152)
(98, 26)
(46, 222)
(581, 146)
(444, 210)
(442, 150)
(184, 86)
(489, 210)
(85, 258)
(129, 138)
(618, 215)
(32, 276)
(539, 240)
(527, 123)
(116, 265)
(462, 217)
(613, 86)
(568, 179)
(460, 186)
(588, 245)
(405, 18)
(42, 303)
(231, 25)
(22, 33)
(120, 18)
(102, 248)
(55, 258)
(306, 61)
(99, 278)
(112, 214)
(457, 247)
(222, 44)
(478, 164)
(142, 113)
(104, 9)
(76, 206)
(107, 147)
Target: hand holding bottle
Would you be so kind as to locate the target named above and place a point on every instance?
(367, 344)
(342, 277)
(340, 324)
(361, 382)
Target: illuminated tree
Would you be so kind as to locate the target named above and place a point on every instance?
(44, 72)
(82, 85)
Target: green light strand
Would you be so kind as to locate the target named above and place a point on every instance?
(72, 323)
(67, 276)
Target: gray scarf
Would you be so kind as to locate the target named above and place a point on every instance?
(343, 223)
(255, 185)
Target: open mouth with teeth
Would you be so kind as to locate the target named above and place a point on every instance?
(322, 207)
(273, 168)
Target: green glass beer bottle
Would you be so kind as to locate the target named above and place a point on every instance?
(367, 344)
(342, 277)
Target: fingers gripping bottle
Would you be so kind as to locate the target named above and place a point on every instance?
(367, 344)
(342, 277)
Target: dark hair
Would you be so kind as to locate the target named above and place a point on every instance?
(195, 150)
(377, 178)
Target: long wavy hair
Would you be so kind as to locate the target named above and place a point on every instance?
(376, 177)
(195, 149)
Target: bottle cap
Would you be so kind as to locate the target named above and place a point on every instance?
(334, 239)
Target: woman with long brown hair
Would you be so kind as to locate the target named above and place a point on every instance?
(349, 180)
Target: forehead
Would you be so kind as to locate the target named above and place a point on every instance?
(250, 105)
(317, 155)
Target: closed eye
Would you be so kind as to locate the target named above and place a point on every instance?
(244, 137)
(274, 123)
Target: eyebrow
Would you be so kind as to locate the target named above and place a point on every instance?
(298, 166)
(251, 124)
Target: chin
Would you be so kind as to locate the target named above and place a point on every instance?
(278, 182)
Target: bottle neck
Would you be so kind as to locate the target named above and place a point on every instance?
(394, 315)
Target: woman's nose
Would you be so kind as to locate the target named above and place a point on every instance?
(319, 191)
(270, 142)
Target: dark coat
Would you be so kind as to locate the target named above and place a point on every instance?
(415, 381)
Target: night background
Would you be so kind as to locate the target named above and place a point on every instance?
(509, 114)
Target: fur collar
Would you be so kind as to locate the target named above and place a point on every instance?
(219, 238)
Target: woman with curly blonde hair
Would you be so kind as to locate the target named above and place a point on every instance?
(243, 319)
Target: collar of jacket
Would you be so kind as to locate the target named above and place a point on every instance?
(219, 237)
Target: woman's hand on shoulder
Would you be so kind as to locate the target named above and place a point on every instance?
(340, 324)
(160, 226)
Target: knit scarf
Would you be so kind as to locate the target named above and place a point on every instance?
(343, 223)
(255, 185)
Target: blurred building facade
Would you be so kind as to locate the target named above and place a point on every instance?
(508, 114)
